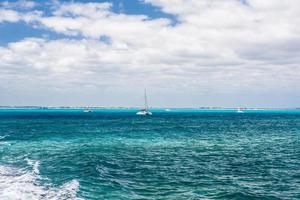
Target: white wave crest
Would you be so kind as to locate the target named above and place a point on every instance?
(34, 164)
(4, 142)
(3, 137)
(17, 184)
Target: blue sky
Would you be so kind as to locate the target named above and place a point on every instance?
(187, 53)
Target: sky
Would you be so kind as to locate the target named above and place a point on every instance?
(186, 53)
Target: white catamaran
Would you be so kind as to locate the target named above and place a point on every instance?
(145, 110)
(239, 110)
(87, 110)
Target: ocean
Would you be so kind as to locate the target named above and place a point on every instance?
(179, 154)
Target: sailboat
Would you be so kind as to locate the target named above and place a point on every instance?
(145, 110)
(239, 110)
(87, 110)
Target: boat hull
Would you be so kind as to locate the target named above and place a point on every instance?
(144, 113)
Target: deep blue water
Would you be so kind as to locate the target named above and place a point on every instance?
(114, 154)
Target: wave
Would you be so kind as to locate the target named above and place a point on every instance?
(19, 184)
(3, 137)
(35, 165)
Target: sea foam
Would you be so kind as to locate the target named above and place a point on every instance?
(18, 184)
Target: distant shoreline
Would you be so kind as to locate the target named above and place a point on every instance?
(129, 108)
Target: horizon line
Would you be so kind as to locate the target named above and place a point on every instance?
(138, 107)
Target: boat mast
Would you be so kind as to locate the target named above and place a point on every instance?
(146, 103)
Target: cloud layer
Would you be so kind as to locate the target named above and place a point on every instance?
(215, 49)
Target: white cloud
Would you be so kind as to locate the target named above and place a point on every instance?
(9, 16)
(217, 47)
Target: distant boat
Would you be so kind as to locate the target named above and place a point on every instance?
(87, 110)
(239, 110)
(145, 110)
(167, 110)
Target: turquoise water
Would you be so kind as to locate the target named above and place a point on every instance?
(180, 154)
